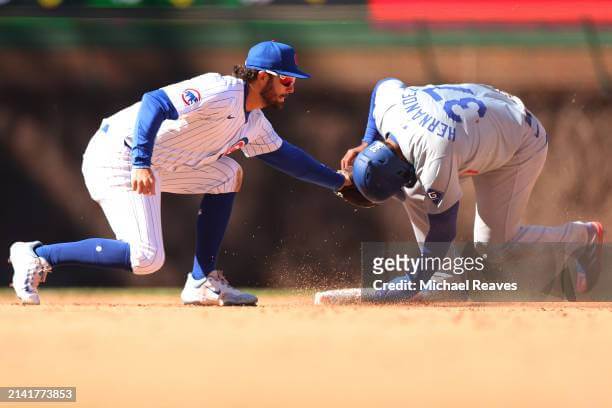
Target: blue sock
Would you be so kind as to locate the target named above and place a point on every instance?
(215, 212)
(100, 252)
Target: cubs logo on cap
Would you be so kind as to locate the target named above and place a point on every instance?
(274, 56)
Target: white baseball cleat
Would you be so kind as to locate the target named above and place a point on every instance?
(214, 290)
(29, 270)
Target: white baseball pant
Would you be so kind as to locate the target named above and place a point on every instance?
(136, 218)
(501, 199)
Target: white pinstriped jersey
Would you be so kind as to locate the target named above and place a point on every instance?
(212, 122)
(451, 131)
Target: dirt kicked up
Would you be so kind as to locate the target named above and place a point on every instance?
(141, 348)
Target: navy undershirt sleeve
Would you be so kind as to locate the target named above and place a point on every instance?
(297, 163)
(155, 107)
(371, 132)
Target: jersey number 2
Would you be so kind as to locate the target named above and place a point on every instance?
(463, 102)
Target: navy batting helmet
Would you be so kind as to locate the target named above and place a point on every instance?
(379, 173)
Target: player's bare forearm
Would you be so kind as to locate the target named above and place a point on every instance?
(350, 155)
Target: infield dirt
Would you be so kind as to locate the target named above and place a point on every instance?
(141, 348)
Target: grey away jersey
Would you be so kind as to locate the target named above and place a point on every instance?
(451, 131)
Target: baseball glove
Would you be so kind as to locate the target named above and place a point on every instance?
(351, 195)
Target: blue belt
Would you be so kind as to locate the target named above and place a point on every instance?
(529, 118)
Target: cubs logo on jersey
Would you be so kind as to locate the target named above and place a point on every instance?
(237, 146)
(190, 96)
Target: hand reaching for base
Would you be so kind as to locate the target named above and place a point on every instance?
(349, 156)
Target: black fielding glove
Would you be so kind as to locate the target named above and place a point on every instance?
(351, 195)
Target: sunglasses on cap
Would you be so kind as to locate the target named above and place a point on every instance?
(284, 79)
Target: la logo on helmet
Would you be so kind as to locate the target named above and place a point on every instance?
(376, 147)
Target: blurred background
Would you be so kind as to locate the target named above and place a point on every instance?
(66, 64)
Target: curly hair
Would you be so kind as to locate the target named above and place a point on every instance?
(244, 73)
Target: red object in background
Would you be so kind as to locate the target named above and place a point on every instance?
(491, 11)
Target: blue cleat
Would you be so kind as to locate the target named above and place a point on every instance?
(398, 290)
(589, 263)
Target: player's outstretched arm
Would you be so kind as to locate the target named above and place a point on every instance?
(349, 156)
(370, 134)
(297, 163)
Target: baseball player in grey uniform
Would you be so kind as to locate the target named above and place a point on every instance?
(177, 140)
(421, 143)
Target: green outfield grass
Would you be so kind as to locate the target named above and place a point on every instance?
(65, 32)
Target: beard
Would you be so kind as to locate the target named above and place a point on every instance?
(270, 97)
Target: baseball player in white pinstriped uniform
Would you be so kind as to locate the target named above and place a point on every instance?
(176, 140)
(422, 142)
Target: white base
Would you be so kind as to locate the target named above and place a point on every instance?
(349, 296)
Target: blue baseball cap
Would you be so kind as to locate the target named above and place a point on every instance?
(379, 173)
(276, 57)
